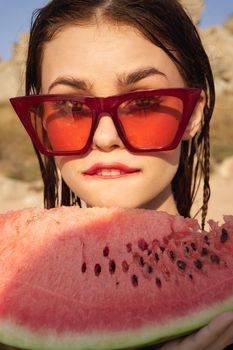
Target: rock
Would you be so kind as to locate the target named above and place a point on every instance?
(12, 72)
(218, 42)
(229, 24)
(194, 8)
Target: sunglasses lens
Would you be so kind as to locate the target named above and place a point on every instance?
(151, 121)
(62, 125)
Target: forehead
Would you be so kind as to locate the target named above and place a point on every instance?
(102, 51)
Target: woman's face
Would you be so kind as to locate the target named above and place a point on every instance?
(101, 56)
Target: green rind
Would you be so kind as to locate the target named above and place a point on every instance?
(18, 336)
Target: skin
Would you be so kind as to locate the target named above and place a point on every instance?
(100, 55)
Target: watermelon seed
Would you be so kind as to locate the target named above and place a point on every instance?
(137, 259)
(206, 239)
(125, 266)
(190, 276)
(187, 250)
(181, 264)
(112, 266)
(97, 269)
(129, 247)
(193, 246)
(141, 261)
(204, 252)
(158, 282)
(149, 252)
(171, 255)
(142, 244)
(149, 269)
(134, 280)
(224, 236)
(198, 264)
(156, 256)
(215, 259)
(84, 267)
(106, 251)
(162, 249)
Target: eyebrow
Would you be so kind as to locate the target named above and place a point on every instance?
(134, 77)
(71, 82)
(123, 80)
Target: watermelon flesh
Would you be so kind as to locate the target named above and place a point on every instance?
(109, 278)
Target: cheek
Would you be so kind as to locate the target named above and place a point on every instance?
(70, 169)
(162, 168)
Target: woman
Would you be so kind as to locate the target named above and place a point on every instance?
(128, 123)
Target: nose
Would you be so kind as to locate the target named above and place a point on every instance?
(106, 137)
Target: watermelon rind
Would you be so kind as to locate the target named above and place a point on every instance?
(18, 336)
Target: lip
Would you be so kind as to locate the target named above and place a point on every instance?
(117, 166)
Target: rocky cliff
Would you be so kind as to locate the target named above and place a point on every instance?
(194, 8)
(12, 72)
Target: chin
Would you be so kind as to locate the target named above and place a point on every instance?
(108, 203)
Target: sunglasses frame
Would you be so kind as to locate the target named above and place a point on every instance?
(106, 105)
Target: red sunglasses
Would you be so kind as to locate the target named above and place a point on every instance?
(146, 121)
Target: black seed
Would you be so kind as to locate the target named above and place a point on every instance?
(215, 259)
(204, 251)
(158, 282)
(117, 283)
(84, 267)
(112, 266)
(187, 250)
(129, 247)
(106, 251)
(125, 266)
(149, 252)
(97, 269)
(193, 246)
(171, 255)
(156, 256)
(162, 249)
(224, 236)
(149, 269)
(141, 261)
(142, 244)
(198, 264)
(134, 280)
(190, 276)
(206, 239)
(181, 264)
(137, 259)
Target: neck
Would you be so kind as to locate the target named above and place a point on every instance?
(163, 202)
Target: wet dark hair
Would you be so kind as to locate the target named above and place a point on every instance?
(164, 23)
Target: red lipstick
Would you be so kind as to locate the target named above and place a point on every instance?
(124, 169)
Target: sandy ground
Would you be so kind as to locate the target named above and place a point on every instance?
(16, 195)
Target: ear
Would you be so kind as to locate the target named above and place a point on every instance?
(194, 124)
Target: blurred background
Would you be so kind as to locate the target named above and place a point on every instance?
(20, 183)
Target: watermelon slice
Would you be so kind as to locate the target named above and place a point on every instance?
(109, 278)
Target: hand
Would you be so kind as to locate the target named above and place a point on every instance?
(215, 336)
